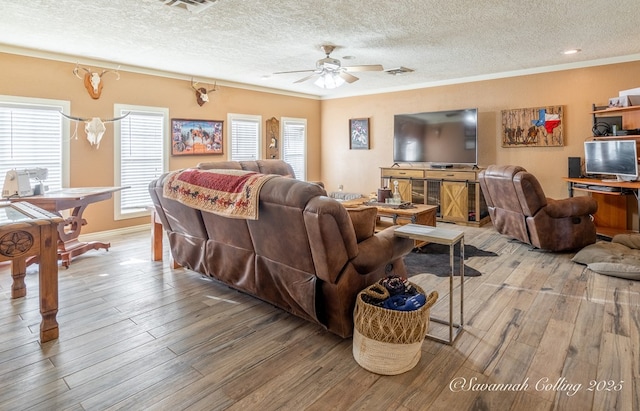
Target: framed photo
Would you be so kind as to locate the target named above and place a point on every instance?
(196, 137)
(359, 134)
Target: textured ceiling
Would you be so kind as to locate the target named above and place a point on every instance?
(244, 41)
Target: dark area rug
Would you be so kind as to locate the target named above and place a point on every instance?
(434, 259)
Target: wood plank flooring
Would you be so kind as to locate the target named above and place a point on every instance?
(541, 333)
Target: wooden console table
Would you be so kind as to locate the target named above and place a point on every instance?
(77, 199)
(29, 232)
(455, 191)
(611, 217)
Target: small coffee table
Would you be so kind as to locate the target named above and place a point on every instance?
(451, 238)
(422, 214)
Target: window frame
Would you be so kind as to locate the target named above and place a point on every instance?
(304, 147)
(118, 109)
(65, 137)
(247, 117)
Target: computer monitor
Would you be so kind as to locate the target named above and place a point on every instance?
(617, 158)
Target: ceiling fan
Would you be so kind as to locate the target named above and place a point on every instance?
(329, 73)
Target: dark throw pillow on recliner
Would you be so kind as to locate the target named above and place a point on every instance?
(364, 221)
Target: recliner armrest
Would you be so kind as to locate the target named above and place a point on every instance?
(380, 249)
(570, 207)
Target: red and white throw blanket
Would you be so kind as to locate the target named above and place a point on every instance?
(229, 193)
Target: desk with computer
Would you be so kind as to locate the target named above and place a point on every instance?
(611, 167)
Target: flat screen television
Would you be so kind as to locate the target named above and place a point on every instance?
(442, 138)
(617, 158)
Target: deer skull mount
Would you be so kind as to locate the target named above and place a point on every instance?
(202, 94)
(93, 80)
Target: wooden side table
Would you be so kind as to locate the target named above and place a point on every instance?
(27, 231)
(451, 238)
(157, 233)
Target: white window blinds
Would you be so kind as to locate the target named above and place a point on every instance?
(31, 135)
(244, 137)
(140, 153)
(294, 145)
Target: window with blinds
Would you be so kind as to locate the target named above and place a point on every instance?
(34, 134)
(141, 141)
(294, 145)
(244, 132)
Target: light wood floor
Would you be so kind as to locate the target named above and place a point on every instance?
(135, 334)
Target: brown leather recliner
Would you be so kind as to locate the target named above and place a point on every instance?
(519, 209)
(306, 253)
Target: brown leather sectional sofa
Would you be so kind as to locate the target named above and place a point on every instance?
(305, 253)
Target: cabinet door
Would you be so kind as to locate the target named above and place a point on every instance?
(454, 201)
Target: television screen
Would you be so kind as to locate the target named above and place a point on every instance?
(443, 137)
(612, 157)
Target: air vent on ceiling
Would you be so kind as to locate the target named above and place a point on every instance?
(398, 71)
(194, 6)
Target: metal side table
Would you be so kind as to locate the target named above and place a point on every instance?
(446, 237)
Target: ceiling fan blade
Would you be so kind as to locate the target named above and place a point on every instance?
(367, 67)
(307, 77)
(295, 71)
(349, 78)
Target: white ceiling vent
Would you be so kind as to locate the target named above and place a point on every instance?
(194, 6)
(398, 71)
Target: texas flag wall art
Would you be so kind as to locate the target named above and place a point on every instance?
(532, 127)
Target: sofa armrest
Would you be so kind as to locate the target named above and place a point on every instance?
(570, 207)
(380, 249)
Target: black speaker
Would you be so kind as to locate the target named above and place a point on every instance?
(574, 167)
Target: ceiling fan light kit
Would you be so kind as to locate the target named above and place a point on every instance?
(329, 72)
(329, 80)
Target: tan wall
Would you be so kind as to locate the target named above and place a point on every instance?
(40, 78)
(576, 90)
(332, 161)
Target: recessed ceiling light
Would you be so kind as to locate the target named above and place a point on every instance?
(348, 57)
(571, 51)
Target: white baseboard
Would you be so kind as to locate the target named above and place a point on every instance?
(118, 231)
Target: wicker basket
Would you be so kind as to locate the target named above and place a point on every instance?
(387, 341)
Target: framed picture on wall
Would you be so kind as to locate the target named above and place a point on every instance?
(359, 134)
(196, 137)
(533, 127)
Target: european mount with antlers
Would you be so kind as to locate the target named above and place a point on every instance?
(93, 79)
(202, 94)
